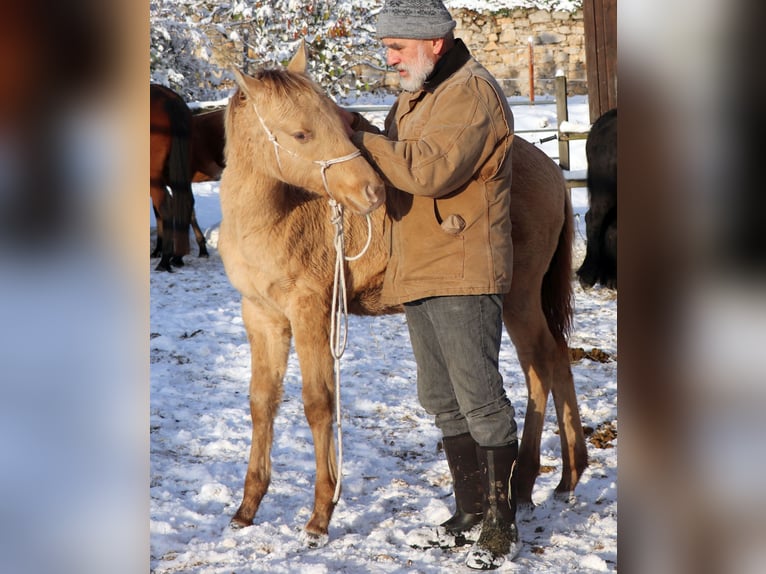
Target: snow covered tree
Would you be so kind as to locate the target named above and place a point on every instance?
(195, 43)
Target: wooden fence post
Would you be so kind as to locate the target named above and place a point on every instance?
(600, 23)
(562, 114)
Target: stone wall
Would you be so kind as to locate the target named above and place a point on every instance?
(501, 43)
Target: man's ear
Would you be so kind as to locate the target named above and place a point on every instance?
(437, 46)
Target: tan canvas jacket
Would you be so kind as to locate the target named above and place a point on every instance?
(446, 153)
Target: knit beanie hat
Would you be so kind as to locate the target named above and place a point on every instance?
(414, 19)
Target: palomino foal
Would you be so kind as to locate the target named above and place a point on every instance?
(287, 153)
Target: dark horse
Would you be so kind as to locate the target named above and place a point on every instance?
(600, 264)
(184, 148)
(287, 152)
(207, 143)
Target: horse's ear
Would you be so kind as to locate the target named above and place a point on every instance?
(239, 77)
(241, 80)
(298, 63)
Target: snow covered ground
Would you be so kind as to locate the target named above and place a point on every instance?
(394, 478)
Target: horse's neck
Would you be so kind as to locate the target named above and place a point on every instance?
(255, 199)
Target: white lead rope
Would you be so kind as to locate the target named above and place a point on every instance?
(339, 319)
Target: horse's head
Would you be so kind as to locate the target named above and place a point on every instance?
(299, 136)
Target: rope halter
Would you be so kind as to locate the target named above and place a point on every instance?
(322, 163)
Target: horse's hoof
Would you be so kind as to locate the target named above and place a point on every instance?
(164, 267)
(235, 524)
(177, 262)
(204, 254)
(313, 540)
(565, 496)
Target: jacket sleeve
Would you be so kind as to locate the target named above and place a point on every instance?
(449, 148)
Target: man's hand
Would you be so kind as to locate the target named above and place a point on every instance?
(349, 118)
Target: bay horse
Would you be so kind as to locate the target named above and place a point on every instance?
(207, 143)
(276, 243)
(184, 148)
(170, 154)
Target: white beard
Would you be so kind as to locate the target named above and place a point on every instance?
(418, 72)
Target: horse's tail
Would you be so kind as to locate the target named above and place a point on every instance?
(178, 172)
(557, 291)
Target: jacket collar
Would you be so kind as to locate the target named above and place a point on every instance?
(447, 65)
(454, 59)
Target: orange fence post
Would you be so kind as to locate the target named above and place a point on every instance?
(531, 42)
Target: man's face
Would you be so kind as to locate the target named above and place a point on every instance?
(413, 59)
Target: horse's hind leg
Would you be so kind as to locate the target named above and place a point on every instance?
(573, 450)
(312, 347)
(269, 338)
(199, 236)
(545, 363)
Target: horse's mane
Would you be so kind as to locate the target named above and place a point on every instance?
(283, 86)
(284, 83)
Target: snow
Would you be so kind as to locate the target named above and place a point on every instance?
(393, 477)
(573, 127)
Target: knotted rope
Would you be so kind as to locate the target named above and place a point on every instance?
(339, 318)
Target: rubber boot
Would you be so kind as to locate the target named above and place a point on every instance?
(464, 525)
(499, 539)
(466, 480)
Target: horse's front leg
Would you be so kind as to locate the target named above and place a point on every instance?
(269, 336)
(317, 370)
(157, 251)
(537, 376)
(164, 249)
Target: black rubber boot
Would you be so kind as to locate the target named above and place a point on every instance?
(466, 480)
(464, 526)
(499, 539)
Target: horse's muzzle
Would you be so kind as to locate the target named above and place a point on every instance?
(372, 196)
(376, 195)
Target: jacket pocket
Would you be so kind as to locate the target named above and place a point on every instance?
(433, 253)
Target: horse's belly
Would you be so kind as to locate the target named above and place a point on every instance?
(234, 263)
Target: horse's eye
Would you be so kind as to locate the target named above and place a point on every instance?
(302, 136)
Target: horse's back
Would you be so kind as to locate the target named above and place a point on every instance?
(168, 109)
(538, 198)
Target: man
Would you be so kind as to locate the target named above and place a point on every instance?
(445, 152)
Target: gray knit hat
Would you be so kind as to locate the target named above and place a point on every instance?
(414, 19)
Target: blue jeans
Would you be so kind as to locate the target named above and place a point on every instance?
(456, 343)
